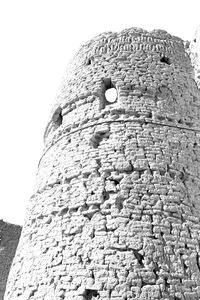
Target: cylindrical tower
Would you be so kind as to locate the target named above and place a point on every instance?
(115, 214)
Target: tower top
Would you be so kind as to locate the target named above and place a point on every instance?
(151, 51)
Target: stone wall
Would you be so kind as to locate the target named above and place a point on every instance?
(9, 237)
(115, 213)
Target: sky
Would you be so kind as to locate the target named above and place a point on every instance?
(37, 40)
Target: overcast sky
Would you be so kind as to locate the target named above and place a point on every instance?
(37, 39)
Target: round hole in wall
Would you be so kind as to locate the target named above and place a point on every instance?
(111, 95)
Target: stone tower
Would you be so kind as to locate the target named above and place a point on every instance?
(116, 210)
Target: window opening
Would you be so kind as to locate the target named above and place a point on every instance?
(165, 60)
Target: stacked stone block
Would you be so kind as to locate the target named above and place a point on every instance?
(115, 213)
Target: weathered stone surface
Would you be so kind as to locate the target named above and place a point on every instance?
(115, 213)
(9, 238)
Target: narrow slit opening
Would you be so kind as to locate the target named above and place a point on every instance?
(57, 118)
